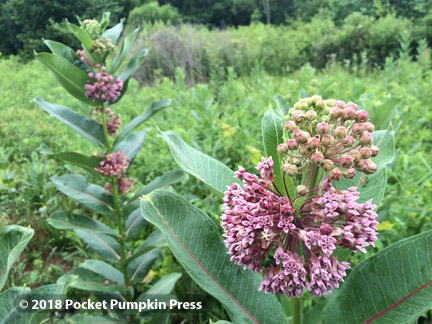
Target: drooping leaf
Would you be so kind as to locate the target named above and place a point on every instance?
(154, 108)
(209, 170)
(65, 220)
(375, 185)
(124, 51)
(165, 180)
(139, 267)
(72, 78)
(106, 246)
(132, 144)
(13, 240)
(77, 187)
(14, 315)
(114, 33)
(272, 133)
(197, 245)
(392, 286)
(86, 127)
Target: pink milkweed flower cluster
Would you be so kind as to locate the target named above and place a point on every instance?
(123, 185)
(114, 165)
(112, 121)
(103, 86)
(330, 134)
(83, 57)
(293, 243)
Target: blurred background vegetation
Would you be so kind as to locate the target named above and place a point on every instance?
(222, 63)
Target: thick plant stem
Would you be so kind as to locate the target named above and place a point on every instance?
(115, 194)
(105, 131)
(297, 310)
(314, 181)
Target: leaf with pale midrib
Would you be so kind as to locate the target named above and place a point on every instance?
(198, 246)
(392, 286)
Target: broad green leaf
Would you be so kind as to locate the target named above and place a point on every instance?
(96, 276)
(65, 220)
(8, 300)
(132, 144)
(165, 285)
(154, 108)
(17, 315)
(313, 314)
(88, 163)
(72, 78)
(86, 319)
(114, 33)
(139, 267)
(154, 240)
(165, 180)
(62, 50)
(272, 133)
(106, 246)
(196, 243)
(281, 103)
(105, 20)
(374, 187)
(124, 50)
(381, 115)
(92, 196)
(13, 240)
(85, 126)
(213, 173)
(392, 286)
(81, 34)
(135, 223)
(133, 65)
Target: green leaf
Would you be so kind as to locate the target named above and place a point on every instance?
(106, 246)
(132, 144)
(72, 78)
(114, 33)
(88, 163)
(392, 286)
(164, 286)
(86, 319)
(86, 127)
(62, 50)
(13, 240)
(196, 243)
(65, 220)
(133, 65)
(165, 180)
(77, 187)
(81, 34)
(12, 315)
(374, 187)
(135, 223)
(281, 103)
(154, 240)
(140, 266)
(105, 20)
(124, 51)
(272, 133)
(381, 116)
(93, 276)
(154, 108)
(209, 170)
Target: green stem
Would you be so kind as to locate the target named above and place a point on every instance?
(114, 185)
(297, 310)
(313, 183)
(105, 131)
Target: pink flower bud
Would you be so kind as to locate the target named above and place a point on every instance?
(301, 189)
(290, 126)
(358, 128)
(336, 112)
(374, 150)
(355, 155)
(289, 169)
(371, 167)
(323, 128)
(292, 144)
(349, 113)
(346, 160)
(298, 116)
(362, 116)
(282, 149)
(349, 173)
(311, 115)
(366, 138)
(326, 229)
(340, 132)
(365, 152)
(339, 103)
(348, 141)
(313, 143)
(302, 137)
(327, 140)
(352, 105)
(335, 174)
(369, 127)
(327, 165)
(361, 165)
(303, 150)
(317, 158)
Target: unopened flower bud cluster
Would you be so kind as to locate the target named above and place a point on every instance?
(330, 134)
